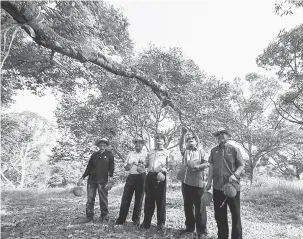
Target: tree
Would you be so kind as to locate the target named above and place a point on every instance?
(26, 139)
(289, 162)
(256, 127)
(42, 31)
(285, 7)
(285, 56)
(28, 65)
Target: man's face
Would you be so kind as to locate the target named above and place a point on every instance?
(191, 141)
(139, 145)
(102, 145)
(222, 138)
(159, 141)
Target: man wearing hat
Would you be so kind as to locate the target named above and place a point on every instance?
(100, 170)
(135, 164)
(192, 177)
(157, 162)
(225, 167)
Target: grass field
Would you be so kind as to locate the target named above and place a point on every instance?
(270, 209)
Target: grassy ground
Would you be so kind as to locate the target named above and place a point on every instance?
(270, 210)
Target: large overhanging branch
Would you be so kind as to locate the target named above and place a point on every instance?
(27, 14)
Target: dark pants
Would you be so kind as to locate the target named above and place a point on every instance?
(194, 217)
(134, 183)
(103, 199)
(221, 215)
(155, 193)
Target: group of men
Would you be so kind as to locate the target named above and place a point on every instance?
(224, 165)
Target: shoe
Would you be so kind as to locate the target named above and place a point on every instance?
(143, 226)
(104, 219)
(160, 227)
(183, 231)
(202, 236)
(118, 222)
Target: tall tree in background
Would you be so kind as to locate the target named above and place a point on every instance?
(25, 140)
(285, 56)
(256, 127)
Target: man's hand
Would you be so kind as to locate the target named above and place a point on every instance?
(80, 182)
(232, 178)
(195, 168)
(163, 170)
(110, 179)
(208, 186)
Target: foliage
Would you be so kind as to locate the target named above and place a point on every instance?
(31, 66)
(256, 126)
(26, 139)
(286, 7)
(284, 56)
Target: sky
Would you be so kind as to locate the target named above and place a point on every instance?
(222, 37)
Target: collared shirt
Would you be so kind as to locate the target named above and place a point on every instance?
(193, 178)
(157, 159)
(99, 167)
(134, 158)
(225, 159)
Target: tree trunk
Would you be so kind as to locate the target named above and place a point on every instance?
(23, 166)
(251, 164)
(7, 180)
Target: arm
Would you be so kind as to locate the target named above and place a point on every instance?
(88, 168)
(203, 165)
(197, 138)
(111, 166)
(210, 172)
(169, 162)
(182, 142)
(86, 172)
(210, 176)
(240, 164)
(127, 166)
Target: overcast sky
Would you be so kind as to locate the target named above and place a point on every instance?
(223, 37)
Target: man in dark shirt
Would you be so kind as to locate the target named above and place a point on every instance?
(100, 170)
(225, 166)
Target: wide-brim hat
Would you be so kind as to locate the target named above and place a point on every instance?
(138, 140)
(222, 130)
(98, 141)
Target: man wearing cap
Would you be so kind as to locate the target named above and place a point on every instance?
(100, 170)
(157, 162)
(225, 166)
(135, 164)
(192, 178)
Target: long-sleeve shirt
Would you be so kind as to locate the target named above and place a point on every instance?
(225, 159)
(99, 167)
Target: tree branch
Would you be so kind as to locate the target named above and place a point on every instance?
(24, 12)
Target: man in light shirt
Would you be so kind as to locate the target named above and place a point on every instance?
(135, 164)
(193, 184)
(157, 162)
